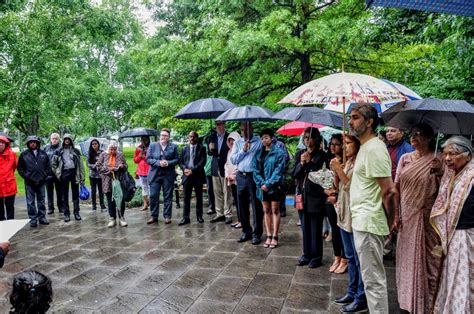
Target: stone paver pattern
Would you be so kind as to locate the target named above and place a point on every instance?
(196, 268)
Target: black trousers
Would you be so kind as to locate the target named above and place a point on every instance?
(113, 206)
(337, 245)
(54, 184)
(210, 193)
(188, 186)
(233, 188)
(312, 227)
(96, 184)
(7, 207)
(246, 194)
(68, 178)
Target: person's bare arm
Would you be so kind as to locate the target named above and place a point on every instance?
(390, 200)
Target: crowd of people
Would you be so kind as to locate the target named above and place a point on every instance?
(368, 190)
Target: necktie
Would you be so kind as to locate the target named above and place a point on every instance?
(191, 158)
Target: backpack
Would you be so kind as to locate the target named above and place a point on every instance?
(127, 183)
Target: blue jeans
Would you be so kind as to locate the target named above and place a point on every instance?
(356, 286)
(167, 183)
(35, 193)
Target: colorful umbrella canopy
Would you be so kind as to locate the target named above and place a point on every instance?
(295, 128)
(207, 108)
(444, 115)
(344, 88)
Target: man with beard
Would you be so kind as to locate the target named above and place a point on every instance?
(396, 146)
(34, 167)
(52, 183)
(371, 189)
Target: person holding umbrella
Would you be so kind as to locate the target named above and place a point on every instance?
(111, 165)
(142, 170)
(8, 187)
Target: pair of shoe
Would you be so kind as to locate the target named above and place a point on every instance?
(355, 307)
(167, 221)
(244, 238)
(152, 221)
(228, 220)
(94, 207)
(272, 242)
(211, 212)
(33, 224)
(144, 208)
(50, 211)
(256, 240)
(217, 219)
(200, 220)
(67, 218)
(302, 261)
(77, 216)
(113, 222)
(43, 221)
(184, 221)
(314, 263)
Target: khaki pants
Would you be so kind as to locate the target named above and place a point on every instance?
(369, 248)
(223, 197)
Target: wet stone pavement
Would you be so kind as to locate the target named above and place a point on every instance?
(168, 268)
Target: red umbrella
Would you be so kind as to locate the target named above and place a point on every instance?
(297, 127)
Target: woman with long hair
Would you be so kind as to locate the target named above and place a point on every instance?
(94, 175)
(142, 169)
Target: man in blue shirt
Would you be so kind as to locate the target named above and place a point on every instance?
(243, 153)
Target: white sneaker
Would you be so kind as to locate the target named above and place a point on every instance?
(112, 223)
(123, 223)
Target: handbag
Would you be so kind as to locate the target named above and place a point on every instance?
(299, 201)
(84, 192)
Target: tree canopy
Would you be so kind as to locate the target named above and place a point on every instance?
(88, 68)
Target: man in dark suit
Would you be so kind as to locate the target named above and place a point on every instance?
(162, 157)
(218, 149)
(192, 161)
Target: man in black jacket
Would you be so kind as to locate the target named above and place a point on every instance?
(34, 167)
(192, 161)
(218, 149)
(4, 248)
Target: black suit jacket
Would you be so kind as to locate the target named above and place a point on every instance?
(198, 175)
(219, 158)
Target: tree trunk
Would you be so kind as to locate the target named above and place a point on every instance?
(33, 127)
(305, 66)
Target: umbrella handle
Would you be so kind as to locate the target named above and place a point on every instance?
(437, 141)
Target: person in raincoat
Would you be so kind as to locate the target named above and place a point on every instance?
(8, 187)
(111, 166)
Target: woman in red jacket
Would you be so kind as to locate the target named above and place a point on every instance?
(142, 169)
(8, 188)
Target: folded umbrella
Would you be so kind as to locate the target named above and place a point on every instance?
(443, 115)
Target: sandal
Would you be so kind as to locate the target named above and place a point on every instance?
(144, 208)
(335, 265)
(298, 223)
(234, 224)
(267, 243)
(274, 242)
(238, 226)
(342, 267)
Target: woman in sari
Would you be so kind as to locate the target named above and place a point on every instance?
(452, 218)
(417, 180)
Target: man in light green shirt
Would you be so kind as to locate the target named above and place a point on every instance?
(371, 190)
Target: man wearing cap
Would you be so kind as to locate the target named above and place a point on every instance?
(34, 167)
(53, 183)
(69, 169)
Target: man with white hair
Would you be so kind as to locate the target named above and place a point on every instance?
(52, 183)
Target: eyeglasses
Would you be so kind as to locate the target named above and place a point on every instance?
(417, 134)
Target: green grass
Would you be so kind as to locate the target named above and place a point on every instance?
(128, 152)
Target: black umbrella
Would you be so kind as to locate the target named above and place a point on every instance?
(443, 115)
(459, 7)
(207, 108)
(310, 115)
(247, 113)
(138, 132)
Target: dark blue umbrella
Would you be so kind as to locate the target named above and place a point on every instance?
(310, 115)
(139, 132)
(459, 7)
(208, 108)
(246, 113)
(443, 115)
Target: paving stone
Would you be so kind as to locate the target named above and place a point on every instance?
(269, 285)
(68, 256)
(101, 254)
(308, 297)
(215, 260)
(174, 299)
(227, 246)
(196, 278)
(98, 295)
(203, 306)
(119, 260)
(243, 267)
(157, 256)
(250, 304)
(154, 284)
(227, 289)
(279, 265)
(64, 295)
(91, 276)
(127, 303)
(132, 272)
(197, 248)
